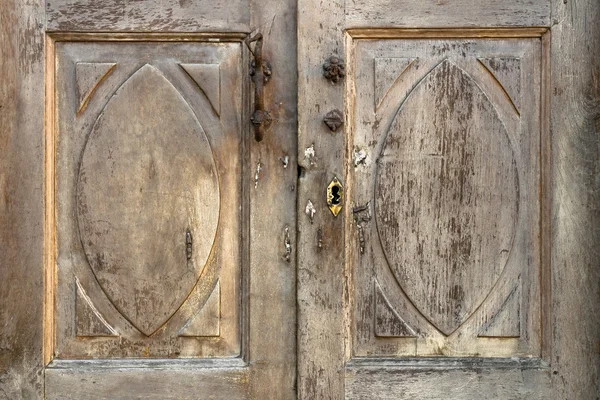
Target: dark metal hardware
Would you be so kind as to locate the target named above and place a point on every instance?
(266, 70)
(333, 69)
(261, 119)
(334, 119)
(188, 244)
(358, 209)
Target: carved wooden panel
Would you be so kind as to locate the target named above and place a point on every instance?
(149, 199)
(445, 139)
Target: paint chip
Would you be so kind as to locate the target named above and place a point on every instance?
(310, 154)
(310, 210)
(361, 157)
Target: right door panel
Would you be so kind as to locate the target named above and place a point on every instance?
(444, 179)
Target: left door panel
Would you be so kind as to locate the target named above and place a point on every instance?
(144, 164)
(148, 147)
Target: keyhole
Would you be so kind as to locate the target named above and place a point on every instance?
(335, 195)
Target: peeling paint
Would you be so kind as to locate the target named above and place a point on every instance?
(310, 210)
(257, 174)
(361, 157)
(310, 154)
(284, 160)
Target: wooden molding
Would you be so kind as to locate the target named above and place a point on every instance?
(445, 33)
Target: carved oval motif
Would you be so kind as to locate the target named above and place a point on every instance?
(147, 199)
(447, 196)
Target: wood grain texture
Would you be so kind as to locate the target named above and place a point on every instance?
(443, 13)
(147, 199)
(148, 16)
(387, 321)
(438, 381)
(21, 198)
(507, 321)
(88, 321)
(575, 176)
(321, 236)
(145, 381)
(88, 77)
(152, 175)
(271, 345)
(461, 169)
(447, 196)
(206, 322)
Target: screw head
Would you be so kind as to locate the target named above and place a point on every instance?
(334, 119)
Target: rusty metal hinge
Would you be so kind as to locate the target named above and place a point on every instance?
(260, 71)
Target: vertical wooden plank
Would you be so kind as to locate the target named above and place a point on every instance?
(575, 127)
(272, 174)
(21, 208)
(321, 236)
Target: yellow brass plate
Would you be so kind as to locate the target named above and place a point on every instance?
(335, 196)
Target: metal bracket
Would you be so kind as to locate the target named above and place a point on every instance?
(260, 72)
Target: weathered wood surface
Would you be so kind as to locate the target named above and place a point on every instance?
(446, 173)
(147, 199)
(90, 381)
(148, 189)
(448, 380)
(148, 16)
(444, 13)
(21, 198)
(321, 236)
(575, 180)
(445, 165)
(270, 348)
(273, 176)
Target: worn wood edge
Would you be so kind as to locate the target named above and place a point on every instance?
(60, 36)
(245, 212)
(321, 245)
(49, 250)
(50, 131)
(446, 33)
(146, 382)
(111, 364)
(446, 363)
(349, 107)
(546, 200)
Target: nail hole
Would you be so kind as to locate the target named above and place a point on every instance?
(301, 171)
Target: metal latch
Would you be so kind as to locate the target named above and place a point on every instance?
(260, 70)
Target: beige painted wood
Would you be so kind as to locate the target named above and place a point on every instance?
(570, 327)
(574, 96)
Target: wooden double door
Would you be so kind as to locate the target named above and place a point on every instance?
(316, 200)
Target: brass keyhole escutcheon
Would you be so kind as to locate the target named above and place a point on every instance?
(335, 196)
